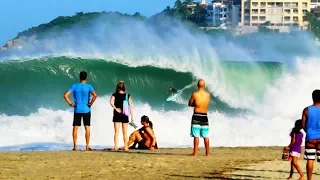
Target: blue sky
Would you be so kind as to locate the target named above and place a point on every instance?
(19, 15)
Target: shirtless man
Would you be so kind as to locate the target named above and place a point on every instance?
(199, 125)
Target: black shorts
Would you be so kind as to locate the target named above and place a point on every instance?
(142, 144)
(117, 117)
(77, 119)
(200, 119)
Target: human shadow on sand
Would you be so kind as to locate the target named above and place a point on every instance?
(218, 176)
(147, 152)
(264, 170)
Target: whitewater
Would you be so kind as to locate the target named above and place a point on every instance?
(256, 97)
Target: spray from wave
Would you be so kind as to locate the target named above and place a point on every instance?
(264, 87)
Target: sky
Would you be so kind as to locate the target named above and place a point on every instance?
(20, 15)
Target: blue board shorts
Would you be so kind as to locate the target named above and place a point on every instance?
(199, 125)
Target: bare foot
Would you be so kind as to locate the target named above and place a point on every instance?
(74, 149)
(124, 148)
(207, 154)
(193, 154)
(289, 178)
(301, 177)
(88, 149)
(115, 148)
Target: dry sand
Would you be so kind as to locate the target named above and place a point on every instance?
(223, 163)
(272, 170)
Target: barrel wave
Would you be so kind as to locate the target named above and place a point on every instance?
(258, 88)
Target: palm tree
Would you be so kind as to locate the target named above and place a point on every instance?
(309, 17)
(177, 5)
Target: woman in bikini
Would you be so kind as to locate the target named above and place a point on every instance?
(144, 136)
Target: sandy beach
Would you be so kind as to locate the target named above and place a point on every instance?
(223, 163)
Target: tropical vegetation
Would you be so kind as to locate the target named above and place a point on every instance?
(185, 11)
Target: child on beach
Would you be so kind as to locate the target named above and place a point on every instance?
(295, 148)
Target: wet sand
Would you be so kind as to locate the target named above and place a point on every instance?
(161, 164)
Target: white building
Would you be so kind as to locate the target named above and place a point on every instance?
(315, 4)
(223, 13)
(203, 2)
(236, 15)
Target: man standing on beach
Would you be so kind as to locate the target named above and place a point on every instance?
(199, 124)
(81, 96)
(310, 124)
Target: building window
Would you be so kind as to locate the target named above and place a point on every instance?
(287, 18)
(254, 18)
(279, 4)
(294, 5)
(287, 4)
(254, 11)
(262, 18)
(255, 4)
(287, 11)
(246, 5)
(304, 5)
(262, 11)
(295, 11)
(263, 4)
(295, 18)
(304, 11)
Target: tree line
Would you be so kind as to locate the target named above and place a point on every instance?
(185, 11)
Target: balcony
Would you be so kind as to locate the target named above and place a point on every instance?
(304, 5)
(286, 11)
(262, 18)
(290, 5)
(255, 4)
(254, 18)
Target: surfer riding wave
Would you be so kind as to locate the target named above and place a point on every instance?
(173, 93)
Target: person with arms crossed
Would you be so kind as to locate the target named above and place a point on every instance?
(82, 104)
(200, 100)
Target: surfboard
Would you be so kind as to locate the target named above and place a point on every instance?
(172, 98)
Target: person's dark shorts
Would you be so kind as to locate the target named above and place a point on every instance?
(312, 149)
(77, 119)
(121, 118)
(142, 144)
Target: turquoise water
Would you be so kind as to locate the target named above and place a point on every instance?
(29, 85)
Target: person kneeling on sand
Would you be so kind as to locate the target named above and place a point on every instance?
(144, 136)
